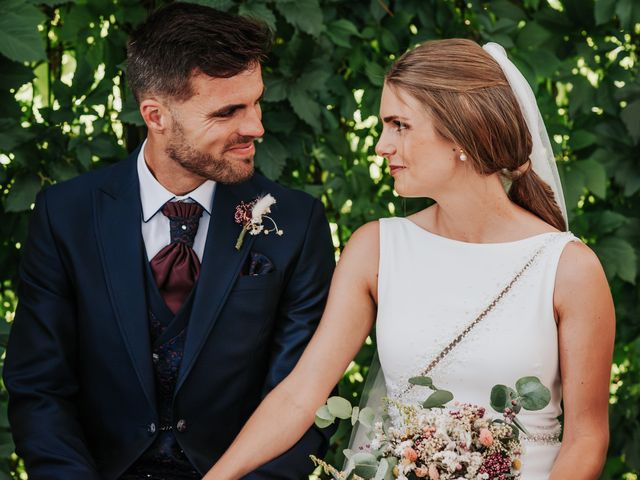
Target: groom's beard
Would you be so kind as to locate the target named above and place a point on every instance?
(204, 164)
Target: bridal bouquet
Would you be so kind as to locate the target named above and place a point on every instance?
(438, 442)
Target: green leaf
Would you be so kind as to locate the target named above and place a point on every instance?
(607, 221)
(367, 417)
(533, 394)
(14, 74)
(604, 11)
(260, 12)
(19, 37)
(22, 193)
(533, 35)
(595, 176)
(324, 413)
(365, 464)
(276, 88)
(582, 138)
(315, 80)
(383, 469)
(631, 118)
(618, 258)
(341, 31)
(223, 5)
(339, 407)
(624, 10)
(355, 413)
(501, 397)
(305, 107)
(438, 399)
(506, 9)
(544, 62)
(375, 73)
(303, 14)
(13, 135)
(271, 157)
(50, 3)
(389, 42)
(422, 381)
(324, 418)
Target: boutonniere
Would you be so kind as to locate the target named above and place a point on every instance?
(251, 215)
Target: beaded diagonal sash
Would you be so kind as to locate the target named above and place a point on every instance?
(456, 341)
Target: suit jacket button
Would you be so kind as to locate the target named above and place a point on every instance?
(151, 428)
(181, 426)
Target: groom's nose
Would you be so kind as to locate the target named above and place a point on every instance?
(252, 123)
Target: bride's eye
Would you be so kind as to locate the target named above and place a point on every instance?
(400, 125)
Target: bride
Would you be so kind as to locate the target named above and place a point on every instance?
(460, 126)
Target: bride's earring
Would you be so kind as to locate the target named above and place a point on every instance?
(463, 156)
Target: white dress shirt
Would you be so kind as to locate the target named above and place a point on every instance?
(155, 225)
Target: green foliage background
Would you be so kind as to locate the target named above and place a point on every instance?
(64, 110)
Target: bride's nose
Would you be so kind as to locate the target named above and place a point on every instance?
(385, 148)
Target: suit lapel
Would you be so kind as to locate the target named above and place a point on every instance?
(221, 264)
(118, 217)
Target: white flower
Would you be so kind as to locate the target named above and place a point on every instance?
(261, 208)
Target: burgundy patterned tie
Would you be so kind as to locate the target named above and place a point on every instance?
(176, 266)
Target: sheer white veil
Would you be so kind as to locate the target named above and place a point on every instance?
(542, 160)
(543, 164)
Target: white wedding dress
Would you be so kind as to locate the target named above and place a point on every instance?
(431, 287)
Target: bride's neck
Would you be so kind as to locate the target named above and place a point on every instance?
(478, 214)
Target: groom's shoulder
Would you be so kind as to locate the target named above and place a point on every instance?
(81, 187)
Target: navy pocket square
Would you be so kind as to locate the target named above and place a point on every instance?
(257, 264)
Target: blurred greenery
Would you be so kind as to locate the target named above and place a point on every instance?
(65, 110)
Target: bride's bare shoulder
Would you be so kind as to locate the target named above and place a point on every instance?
(359, 259)
(366, 239)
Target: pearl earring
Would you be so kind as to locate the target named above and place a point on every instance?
(463, 156)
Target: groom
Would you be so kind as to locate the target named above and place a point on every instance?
(144, 338)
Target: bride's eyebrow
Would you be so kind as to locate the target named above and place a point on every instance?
(391, 118)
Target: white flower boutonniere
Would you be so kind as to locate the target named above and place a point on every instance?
(251, 216)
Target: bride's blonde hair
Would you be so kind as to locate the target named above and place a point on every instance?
(472, 105)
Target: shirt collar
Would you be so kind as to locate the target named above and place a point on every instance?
(153, 195)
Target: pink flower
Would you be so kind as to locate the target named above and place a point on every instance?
(410, 454)
(486, 439)
(421, 472)
(433, 472)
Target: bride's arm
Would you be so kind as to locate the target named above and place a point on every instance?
(586, 326)
(289, 410)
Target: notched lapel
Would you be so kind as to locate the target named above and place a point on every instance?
(221, 264)
(118, 217)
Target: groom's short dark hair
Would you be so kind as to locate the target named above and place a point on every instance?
(183, 38)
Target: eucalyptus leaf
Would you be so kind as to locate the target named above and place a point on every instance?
(533, 394)
(339, 407)
(367, 417)
(421, 381)
(501, 397)
(438, 399)
(365, 465)
(324, 418)
(355, 414)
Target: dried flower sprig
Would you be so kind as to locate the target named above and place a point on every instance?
(252, 215)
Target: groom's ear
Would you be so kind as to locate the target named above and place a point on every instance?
(155, 115)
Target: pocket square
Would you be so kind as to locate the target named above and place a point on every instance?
(257, 264)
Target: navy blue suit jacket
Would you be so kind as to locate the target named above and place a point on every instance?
(78, 367)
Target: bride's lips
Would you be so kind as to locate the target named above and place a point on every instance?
(395, 168)
(243, 148)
